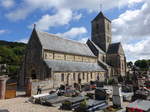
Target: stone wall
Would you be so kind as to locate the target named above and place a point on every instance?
(118, 63)
(72, 77)
(68, 57)
(45, 85)
(69, 78)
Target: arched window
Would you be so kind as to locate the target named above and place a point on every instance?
(79, 76)
(74, 76)
(83, 76)
(91, 75)
(87, 77)
(62, 77)
(98, 78)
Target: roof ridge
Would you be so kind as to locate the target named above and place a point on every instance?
(57, 36)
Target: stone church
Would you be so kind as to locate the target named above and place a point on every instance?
(61, 61)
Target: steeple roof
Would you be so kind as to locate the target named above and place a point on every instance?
(100, 15)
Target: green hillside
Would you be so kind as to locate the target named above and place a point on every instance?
(11, 54)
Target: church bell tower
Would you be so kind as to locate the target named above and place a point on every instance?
(101, 31)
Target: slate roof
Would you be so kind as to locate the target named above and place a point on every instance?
(100, 15)
(99, 49)
(113, 48)
(65, 66)
(55, 43)
(140, 104)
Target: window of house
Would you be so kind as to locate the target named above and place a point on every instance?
(62, 77)
(83, 76)
(79, 76)
(74, 76)
(91, 75)
(87, 76)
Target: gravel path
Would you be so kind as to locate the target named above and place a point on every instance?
(21, 104)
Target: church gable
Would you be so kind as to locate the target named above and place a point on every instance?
(120, 50)
(114, 48)
(34, 41)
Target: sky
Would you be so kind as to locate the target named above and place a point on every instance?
(72, 19)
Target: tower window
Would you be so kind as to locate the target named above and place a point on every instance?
(97, 26)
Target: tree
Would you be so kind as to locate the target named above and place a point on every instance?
(11, 54)
(142, 64)
(130, 64)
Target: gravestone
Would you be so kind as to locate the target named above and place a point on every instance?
(117, 96)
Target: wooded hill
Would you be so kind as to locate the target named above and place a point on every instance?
(11, 54)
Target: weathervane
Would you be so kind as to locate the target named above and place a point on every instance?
(101, 5)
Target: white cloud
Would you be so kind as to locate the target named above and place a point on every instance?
(2, 31)
(23, 40)
(139, 50)
(133, 24)
(19, 14)
(74, 33)
(77, 16)
(131, 2)
(62, 17)
(7, 3)
(132, 29)
(29, 6)
(129, 26)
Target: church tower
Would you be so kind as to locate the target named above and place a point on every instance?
(101, 31)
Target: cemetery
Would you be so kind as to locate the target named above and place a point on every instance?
(102, 97)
